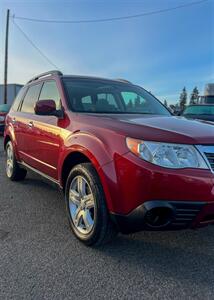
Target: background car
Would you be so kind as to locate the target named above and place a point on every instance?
(201, 112)
(4, 109)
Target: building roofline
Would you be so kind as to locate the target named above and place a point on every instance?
(19, 84)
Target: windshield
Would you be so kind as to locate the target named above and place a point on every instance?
(4, 108)
(110, 97)
(199, 110)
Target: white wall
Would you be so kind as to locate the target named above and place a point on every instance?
(12, 90)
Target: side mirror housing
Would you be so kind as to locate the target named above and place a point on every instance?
(47, 108)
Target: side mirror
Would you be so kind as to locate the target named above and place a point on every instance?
(46, 108)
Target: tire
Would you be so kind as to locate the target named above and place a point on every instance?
(86, 207)
(13, 171)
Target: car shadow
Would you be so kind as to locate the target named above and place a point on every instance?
(38, 182)
(182, 254)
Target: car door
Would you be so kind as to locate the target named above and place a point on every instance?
(46, 134)
(24, 124)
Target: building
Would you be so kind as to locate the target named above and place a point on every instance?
(12, 90)
(209, 90)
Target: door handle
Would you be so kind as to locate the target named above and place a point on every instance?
(30, 124)
(13, 121)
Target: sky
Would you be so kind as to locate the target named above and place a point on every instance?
(162, 52)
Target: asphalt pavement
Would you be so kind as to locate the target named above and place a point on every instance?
(41, 259)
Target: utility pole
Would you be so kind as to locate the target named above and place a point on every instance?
(6, 56)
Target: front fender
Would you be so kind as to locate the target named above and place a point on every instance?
(95, 150)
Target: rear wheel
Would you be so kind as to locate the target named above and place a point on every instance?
(13, 171)
(86, 207)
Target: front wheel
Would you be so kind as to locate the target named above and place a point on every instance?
(87, 212)
(13, 171)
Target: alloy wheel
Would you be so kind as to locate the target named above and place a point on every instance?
(9, 162)
(81, 205)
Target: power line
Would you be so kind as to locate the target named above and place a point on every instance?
(32, 44)
(143, 14)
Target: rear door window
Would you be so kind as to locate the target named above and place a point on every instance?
(18, 99)
(31, 98)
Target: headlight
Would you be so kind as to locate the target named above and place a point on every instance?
(175, 156)
(2, 118)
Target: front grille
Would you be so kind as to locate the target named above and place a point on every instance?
(186, 212)
(210, 158)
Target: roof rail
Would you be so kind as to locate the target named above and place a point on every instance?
(123, 80)
(54, 72)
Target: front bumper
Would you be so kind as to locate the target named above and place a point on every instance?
(130, 182)
(183, 215)
(136, 187)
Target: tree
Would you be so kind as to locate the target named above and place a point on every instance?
(194, 97)
(172, 106)
(183, 99)
(165, 103)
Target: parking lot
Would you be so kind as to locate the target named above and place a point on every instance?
(40, 258)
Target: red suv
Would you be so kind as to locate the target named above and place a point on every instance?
(123, 161)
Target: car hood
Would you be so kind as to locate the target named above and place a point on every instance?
(201, 117)
(157, 128)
